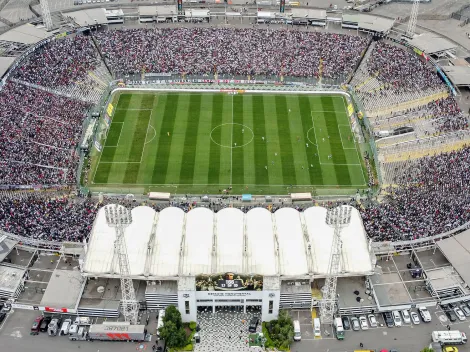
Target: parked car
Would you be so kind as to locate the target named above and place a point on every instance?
(363, 322)
(2, 316)
(45, 322)
(451, 315)
(406, 316)
(73, 329)
(253, 324)
(388, 319)
(465, 309)
(396, 318)
(450, 349)
(425, 315)
(355, 324)
(459, 313)
(372, 320)
(346, 323)
(36, 324)
(414, 318)
(453, 305)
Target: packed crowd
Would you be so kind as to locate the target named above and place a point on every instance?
(38, 134)
(401, 70)
(60, 62)
(433, 197)
(447, 114)
(230, 51)
(49, 219)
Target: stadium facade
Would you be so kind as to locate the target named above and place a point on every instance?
(229, 258)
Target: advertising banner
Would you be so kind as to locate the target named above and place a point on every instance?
(229, 282)
(110, 109)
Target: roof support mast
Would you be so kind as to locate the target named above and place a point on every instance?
(410, 32)
(120, 217)
(338, 218)
(46, 14)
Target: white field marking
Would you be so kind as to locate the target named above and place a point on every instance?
(238, 146)
(338, 112)
(120, 162)
(154, 135)
(341, 137)
(231, 149)
(224, 184)
(341, 164)
(124, 109)
(355, 144)
(315, 132)
(119, 138)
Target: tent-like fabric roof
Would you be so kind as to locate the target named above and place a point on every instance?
(166, 247)
(260, 242)
(173, 243)
(320, 236)
(198, 242)
(292, 255)
(230, 233)
(99, 258)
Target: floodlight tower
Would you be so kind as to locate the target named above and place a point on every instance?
(46, 14)
(120, 217)
(338, 218)
(413, 19)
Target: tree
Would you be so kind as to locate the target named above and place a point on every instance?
(173, 314)
(282, 330)
(427, 349)
(172, 330)
(174, 337)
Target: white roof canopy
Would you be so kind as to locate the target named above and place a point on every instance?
(230, 232)
(292, 255)
(173, 243)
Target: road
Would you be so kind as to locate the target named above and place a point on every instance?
(14, 336)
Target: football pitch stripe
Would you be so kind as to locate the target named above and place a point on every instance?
(165, 138)
(190, 139)
(314, 167)
(238, 154)
(284, 135)
(259, 130)
(214, 150)
(177, 149)
(337, 152)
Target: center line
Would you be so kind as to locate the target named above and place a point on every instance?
(231, 147)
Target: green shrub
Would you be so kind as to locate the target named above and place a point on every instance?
(269, 343)
(188, 347)
(192, 325)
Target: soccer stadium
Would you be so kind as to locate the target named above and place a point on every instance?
(234, 160)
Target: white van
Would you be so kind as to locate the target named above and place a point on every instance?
(64, 330)
(161, 315)
(297, 333)
(316, 327)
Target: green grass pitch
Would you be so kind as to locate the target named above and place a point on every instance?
(206, 142)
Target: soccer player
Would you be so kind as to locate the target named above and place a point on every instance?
(323, 139)
(262, 138)
(243, 130)
(306, 144)
(266, 167)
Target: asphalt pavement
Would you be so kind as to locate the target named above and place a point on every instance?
(15, 336)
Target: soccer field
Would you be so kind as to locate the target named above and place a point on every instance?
(207, 142)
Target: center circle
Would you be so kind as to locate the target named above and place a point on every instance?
(232, 135)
